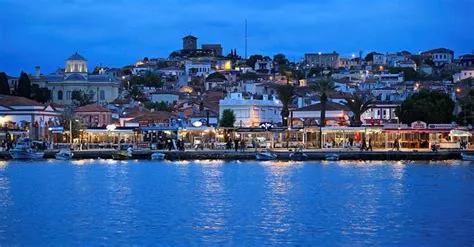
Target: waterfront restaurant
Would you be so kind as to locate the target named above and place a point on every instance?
(419, 135)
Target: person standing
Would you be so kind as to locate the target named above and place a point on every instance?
(370, 144)
(363, 145)
(236, 145)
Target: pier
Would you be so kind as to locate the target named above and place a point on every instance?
(250, 155)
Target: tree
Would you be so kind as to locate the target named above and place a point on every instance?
(466, 116)
(253, 59)
(358, 105)
(280, 59)
(285, 93)
(4, 87)
(68, 120)
(158, 106)
(314, 71)
(409, 74)
(427, 106)
(24, 86)
(249, 76)
(79, 98)
(148, 80)
(227, 118)
(216, 75)
(323, 88)
(137, 94)
(41, 94)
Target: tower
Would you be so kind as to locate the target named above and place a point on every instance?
(76, 64)
(190, 43)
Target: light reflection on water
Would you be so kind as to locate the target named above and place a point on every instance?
(99, 202)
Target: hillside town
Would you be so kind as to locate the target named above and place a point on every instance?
(199, 98)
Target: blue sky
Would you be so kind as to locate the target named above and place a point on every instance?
(119, 32)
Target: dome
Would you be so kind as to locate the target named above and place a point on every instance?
(75, 77)
(76, 56)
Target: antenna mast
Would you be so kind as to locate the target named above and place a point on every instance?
(245, 38)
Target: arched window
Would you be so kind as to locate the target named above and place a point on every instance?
(60, 95)
(102, 95)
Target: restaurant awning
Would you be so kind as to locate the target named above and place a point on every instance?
(460, 133)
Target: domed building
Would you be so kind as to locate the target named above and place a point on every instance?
(75, 77)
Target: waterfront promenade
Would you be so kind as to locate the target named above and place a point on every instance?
(283, 154)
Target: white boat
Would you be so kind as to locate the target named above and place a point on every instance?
(332, 157)
(468, 157)
(64, 154)
(298, 156)
(157, 156)
(24, 149)
(266, 155)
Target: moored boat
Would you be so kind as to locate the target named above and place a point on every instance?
(266, 155)
(122, 155)
(332, 157)
(24, 149)
(64, 154)
(468, 157)
(157, 156)
(298, 156)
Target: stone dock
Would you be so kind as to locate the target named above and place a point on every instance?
(250, 155)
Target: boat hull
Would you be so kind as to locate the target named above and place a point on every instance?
(25, 155)
(157, 156)
(260, 156)
(467, 157)
(332, 157)
(298, 156)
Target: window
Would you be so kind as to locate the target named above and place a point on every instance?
(68, 95)
(60, 95)
(102, 95)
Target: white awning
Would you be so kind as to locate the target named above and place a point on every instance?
(460, 133)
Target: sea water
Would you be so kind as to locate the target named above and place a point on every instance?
(345, 203)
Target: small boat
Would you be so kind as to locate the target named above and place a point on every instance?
(266, 155)
(298, 156)
(64, 154)
(332, 157)
(25, 150)
(157, 156)
(122, 155)
(468, 157)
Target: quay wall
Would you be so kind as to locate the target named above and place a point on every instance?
(250, 155)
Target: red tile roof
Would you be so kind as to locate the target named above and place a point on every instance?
(91, 108)
(9, 100)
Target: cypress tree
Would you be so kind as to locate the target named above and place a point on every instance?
(4, 87)
(24, 86)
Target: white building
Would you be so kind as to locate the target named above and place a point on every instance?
(104, 88)
(167, 97)
(464, 74)
(336, 114)
(21, 114)
(198, 68)
(379, 59)
(407, 64)
(251, 112)
(440, 56)
(263, 65)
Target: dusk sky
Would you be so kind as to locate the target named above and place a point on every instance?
(119, 32)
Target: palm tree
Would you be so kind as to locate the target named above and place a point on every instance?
(286, 93)
(358, 104)
(324, 87)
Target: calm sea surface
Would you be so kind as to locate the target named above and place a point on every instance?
(237, 203)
